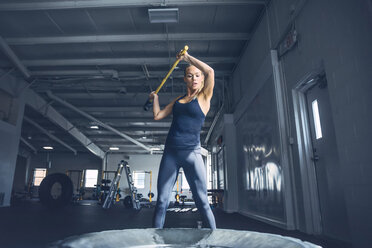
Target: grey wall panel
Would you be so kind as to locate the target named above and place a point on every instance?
(248, 67)
(61, 162)
(10, 135)
(261, 178)
(231, 195)
(20, 174)
(337, 35)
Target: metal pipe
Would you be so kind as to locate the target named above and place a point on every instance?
(29, 145)
(49, 134)
(72, 73)
(84, 4)
(13, 58)
(40, 105)
(97, 121)
(118, 61)
(126, 38)
(127, 75)
(214, 123)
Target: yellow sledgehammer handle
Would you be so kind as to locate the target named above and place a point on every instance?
(149, 101)
(171, 69)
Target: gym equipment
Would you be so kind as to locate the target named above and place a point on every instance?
(217, 196)
(180, 199)
(177, 196)
(103, 189)
(114, 186)
(144, 202)
(128, 202)
(149, 101)
(80, 190)
(133, 190)
(150, 194)
(56, 190)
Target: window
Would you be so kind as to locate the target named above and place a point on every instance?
(139, 179)
(39, 174)
(184, 183)
(318, 128)
(91, 178)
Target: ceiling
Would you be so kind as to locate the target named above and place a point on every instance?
(104, 57)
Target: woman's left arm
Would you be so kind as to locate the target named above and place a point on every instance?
(207, 71)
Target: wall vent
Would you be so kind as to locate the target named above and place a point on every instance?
(168, 15)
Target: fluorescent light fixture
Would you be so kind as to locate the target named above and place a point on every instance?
(318, 127)
(311, 80)
(156, 149)
(169, 15)
(114, 148)
(94, 127)
(48, 147)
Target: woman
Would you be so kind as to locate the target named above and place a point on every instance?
(182, 146)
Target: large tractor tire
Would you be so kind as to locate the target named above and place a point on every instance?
(56, 190)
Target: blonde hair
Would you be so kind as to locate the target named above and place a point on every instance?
(202, 82)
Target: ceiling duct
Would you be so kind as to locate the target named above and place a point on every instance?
(168, 15)
(66, 104)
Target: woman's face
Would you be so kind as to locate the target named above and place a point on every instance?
(193, 77)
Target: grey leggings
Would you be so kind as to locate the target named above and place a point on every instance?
(192, 163)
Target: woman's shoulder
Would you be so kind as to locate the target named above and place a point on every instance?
(176, 99)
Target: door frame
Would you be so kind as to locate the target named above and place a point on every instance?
(313, 223)
(291, 206)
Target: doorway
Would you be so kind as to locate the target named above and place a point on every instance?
(323, 190)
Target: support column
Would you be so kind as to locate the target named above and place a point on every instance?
(231, 203)
(11, 108)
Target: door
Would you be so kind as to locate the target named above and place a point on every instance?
(326, 161)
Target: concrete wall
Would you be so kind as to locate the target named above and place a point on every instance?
(10, 131)
(338, 35)
(231, 195)
(19, 180)
(61, 162)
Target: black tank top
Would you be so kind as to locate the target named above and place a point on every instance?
(188, 119)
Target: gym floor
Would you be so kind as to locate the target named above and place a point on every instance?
(28, 224)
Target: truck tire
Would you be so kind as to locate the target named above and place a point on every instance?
(56, 190)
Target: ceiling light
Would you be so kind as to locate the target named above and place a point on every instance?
(311, 80)
(169, 15)
(114, 148)
(48, 147)
(94, 127)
